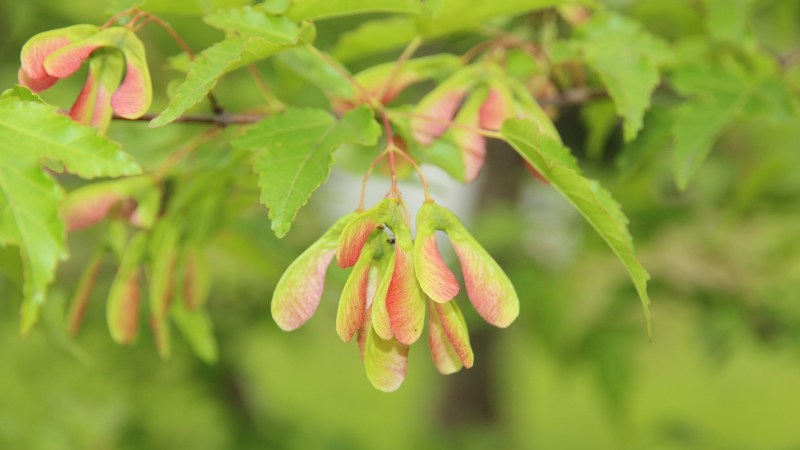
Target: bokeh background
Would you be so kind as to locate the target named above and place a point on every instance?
(575, 371)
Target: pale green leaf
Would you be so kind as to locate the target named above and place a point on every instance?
(726, 20)
(253, 21)
(718, 94)
(316, 9)
(655, 136)
(295, 155)
(375, 37)
(628, 59)
(319, 72)
(198, 329)
(29, 218)
(178, 7)
(436, 20)
(22, 93)
(204, 72)
(31, 132)
(589, 198)
(600, 118)
(449, 16)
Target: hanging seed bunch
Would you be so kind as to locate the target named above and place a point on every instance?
(395, 280)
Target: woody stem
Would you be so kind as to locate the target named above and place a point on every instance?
(391, 149)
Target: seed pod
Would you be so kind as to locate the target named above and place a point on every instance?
(162, 336)
(93, 105)
(32, 72)
(363, 285)
(355, 234)
(81, 297)
(133, 96)
(452, 323)
(405, 301)
(299, 289)
(471, 144)
(444, 355)
(380, 316)
(438, 107)
(353, 301)
(122, 85)
(385, 361)
(90, 204)
(124, 297)
(488, 287)
(498, 107)
(434, 277)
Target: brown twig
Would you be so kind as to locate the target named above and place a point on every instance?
(223, 119)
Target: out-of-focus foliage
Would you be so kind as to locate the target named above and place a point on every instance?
(706, 174)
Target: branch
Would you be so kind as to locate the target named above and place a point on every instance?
(569, 98)
(223, 119)
(577, 96)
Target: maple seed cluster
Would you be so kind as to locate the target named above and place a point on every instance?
(118, 80)
(395, 278)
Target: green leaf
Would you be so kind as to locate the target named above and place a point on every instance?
(179, 7)
(295, 155)
(21, 92)
(436, 20)
(375, 37)
(311, 67)
(726, 20)
(264, 36)
(718, 95)
(589, 198)
(628, 59)
(31, 132)
(599, 117)
(253, 21)
(29, 218)
(256, 48)
(316, 9)
(204, 72)
(655, 136)
(449, 16)
(198, 329)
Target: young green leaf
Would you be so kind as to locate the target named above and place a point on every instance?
(198, 329)
(295, 154)
(718, 93)
(308, 65)
(254, 21)
(204, 72)
(592, 201)
(316, 9)
(31, 131)
(628, 60)
(29, 215)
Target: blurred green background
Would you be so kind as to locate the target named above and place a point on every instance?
(574, 371)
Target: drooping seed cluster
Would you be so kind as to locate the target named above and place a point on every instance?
(118, 80)
(393, 282)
